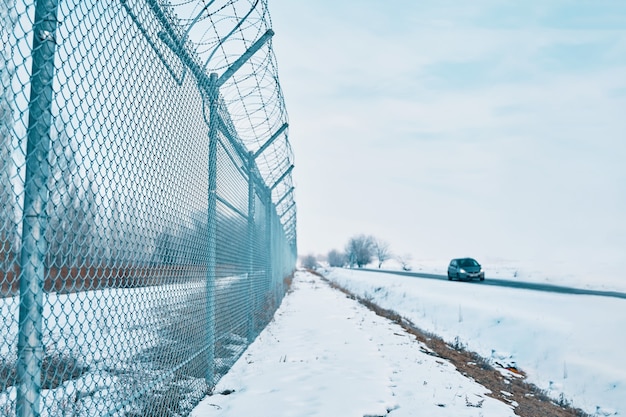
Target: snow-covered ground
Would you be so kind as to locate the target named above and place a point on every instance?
(106, 330)
(326, 355)
(118, 336)
(569, 345)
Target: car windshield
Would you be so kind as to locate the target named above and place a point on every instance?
(468, 262)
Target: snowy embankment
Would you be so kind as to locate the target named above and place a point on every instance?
(569, 345)
(324, 354)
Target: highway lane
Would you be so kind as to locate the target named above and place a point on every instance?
(511, 284)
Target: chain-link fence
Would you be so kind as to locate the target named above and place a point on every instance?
(147, 217)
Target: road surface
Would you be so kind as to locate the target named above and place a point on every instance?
(511, 284)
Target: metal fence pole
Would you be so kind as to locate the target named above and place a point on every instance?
(32, 257)
(212, 226)
(251, 277)
(269, 233)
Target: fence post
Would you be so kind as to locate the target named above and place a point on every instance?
(33, 251)
(269, 225)
(212, 226)
(251, 277)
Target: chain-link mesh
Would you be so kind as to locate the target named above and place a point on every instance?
(147, 215)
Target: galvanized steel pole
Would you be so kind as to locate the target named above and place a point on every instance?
(251, 226)
(212, 226)
(34, 247)
(269, 224)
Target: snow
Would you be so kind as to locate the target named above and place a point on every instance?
(324, 354)
(585, 274)
(569, 345)
(106, 329)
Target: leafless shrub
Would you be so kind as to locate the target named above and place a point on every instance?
(336, 259)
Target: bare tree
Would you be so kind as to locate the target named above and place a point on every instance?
(71, 207)
(360, 250)
(196, 239)
(7, 195)
(336, 258)
(309, 262)
(7, 216)
(381, 251)
(405, 261)
(165, 248)
(8, 227)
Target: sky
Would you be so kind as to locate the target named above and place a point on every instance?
(309, 361)
(491, 128)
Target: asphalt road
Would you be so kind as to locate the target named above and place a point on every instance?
(511, 284)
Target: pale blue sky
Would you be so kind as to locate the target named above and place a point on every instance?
(489, 128)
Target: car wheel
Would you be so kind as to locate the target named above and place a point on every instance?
(449, 276)
(482, 278)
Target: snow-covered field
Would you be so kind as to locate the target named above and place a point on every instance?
(569, 345)
(327, 355)
(324, 354)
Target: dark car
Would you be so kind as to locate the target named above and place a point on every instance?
(466, 269)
